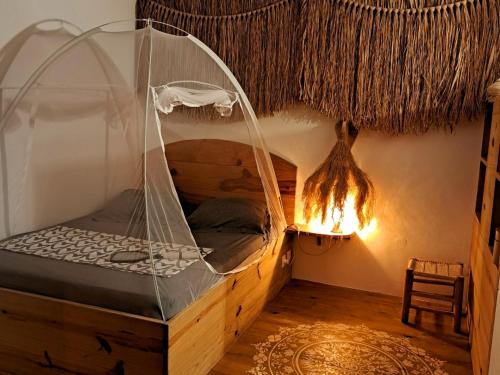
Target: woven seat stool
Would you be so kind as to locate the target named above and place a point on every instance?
(434, 273)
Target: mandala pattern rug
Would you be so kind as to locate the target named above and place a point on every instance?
(339, 349)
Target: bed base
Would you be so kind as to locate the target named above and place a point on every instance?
(41, 335)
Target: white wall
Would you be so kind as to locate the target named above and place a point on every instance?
(425, 196)
(15, 15)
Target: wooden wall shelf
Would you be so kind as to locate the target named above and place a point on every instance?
(305, 230)
(308, 231)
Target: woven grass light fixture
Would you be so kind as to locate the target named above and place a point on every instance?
(327, 189)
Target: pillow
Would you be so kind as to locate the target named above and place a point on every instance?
(127, 207)
(231, 215)
(187, 207)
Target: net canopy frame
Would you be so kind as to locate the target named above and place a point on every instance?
(39, 40)
(84, 166)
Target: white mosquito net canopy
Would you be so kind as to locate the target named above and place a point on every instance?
(86, 185)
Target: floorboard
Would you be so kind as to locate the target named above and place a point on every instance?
(302, 302)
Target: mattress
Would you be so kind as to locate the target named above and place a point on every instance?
(118, 289)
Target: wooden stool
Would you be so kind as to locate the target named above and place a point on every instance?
(435, 273)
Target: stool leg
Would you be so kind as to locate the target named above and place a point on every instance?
(407, 296)
(457, 304)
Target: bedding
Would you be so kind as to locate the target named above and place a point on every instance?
(231, 214)
(80, 271)
(86, 246)
(127, 207)
(129, 256)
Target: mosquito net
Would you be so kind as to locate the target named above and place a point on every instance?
(90, 203)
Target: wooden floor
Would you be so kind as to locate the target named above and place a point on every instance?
(303, 302)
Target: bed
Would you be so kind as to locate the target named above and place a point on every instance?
(112, 312)
(83, 270)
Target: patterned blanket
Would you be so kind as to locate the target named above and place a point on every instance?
(89, 247)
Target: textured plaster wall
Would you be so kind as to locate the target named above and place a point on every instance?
(425, 189)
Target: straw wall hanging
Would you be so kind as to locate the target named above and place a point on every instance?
(257, 40)
(399, 70)
(397, 66)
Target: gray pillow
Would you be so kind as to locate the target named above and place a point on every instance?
(230, 215)
(127, 207)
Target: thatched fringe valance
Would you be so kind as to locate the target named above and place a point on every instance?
(399, 66)
(259, 45)
(217, 8)
(399, 70)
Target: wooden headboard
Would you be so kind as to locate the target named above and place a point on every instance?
(213, 168)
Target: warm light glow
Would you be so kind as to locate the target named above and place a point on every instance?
(368, 230)
(347, 225)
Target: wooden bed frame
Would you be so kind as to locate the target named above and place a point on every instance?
(41, 335)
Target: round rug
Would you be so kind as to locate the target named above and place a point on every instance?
(339, 349)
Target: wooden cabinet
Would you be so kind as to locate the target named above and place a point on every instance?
(483, 301)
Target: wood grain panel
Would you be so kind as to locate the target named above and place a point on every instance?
(42, 335)
(484, 272)
(213, 168)
(486, 277)
(202, 333)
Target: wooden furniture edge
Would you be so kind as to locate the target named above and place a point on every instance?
(201, 334)
(42, 334)
(485, 279)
